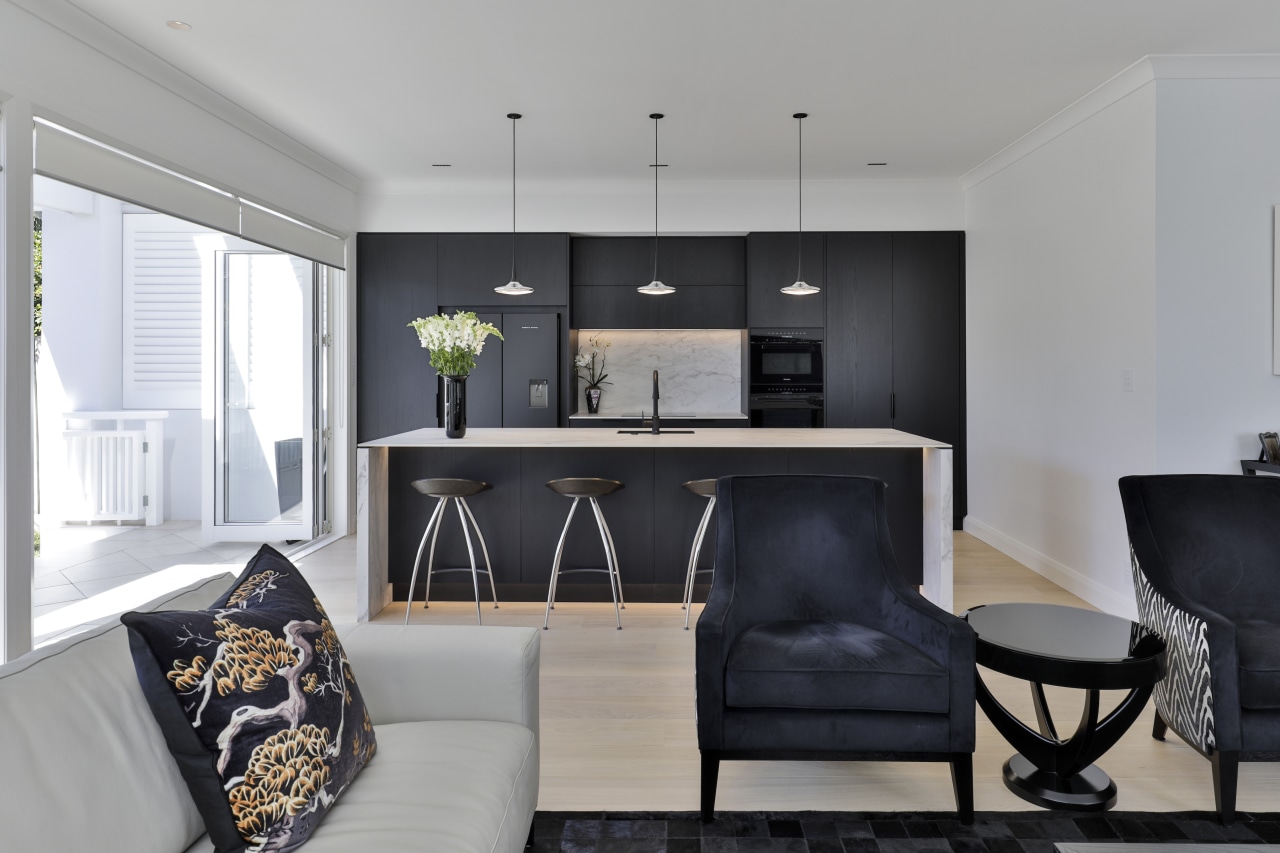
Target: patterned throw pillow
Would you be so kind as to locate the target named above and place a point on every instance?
(258, 705)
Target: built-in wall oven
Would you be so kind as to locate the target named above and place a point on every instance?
(786, 378)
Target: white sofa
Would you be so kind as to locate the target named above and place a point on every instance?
(84, 767)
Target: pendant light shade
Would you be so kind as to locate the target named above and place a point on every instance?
(655, 287)
(801, 287)
(513, 287)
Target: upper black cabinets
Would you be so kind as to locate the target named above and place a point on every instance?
(472, 265)
(394, 377)
(709, 274)
(895, 337)
(771, 265)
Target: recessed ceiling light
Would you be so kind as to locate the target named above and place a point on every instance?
(877, 164)
(177, 25)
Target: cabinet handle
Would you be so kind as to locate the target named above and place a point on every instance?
(893, 406)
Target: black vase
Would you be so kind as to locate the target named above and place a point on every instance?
(455, 406)
(593, 399)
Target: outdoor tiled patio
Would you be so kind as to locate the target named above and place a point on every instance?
(79, 561)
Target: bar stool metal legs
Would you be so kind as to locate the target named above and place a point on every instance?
(693, 560)
(590, 489)
(705, 489)
(456, 491)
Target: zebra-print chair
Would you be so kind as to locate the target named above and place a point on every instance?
(1206, 570)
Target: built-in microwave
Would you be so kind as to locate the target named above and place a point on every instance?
(786, 358)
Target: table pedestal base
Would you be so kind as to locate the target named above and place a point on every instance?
(1090, 790)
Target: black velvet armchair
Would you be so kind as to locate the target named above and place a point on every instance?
(812, 645)
(1206, 571)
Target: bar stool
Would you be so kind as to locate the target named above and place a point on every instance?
(448, 489)
(589, 488)
(705, 489)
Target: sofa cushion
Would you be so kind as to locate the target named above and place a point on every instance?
(258, 705)
(1258, 643)
(87, 764)
(452, 785)
(832, 665)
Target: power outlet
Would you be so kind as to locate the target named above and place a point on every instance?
(1126, 381)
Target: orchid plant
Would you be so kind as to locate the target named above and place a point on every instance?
(590, 365)
(454, 342)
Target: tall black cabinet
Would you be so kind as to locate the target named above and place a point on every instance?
(895, 336)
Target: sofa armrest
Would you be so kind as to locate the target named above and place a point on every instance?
(445, 672)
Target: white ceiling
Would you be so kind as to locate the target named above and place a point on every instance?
(385, 88)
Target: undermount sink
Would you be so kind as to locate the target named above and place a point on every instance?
(660, 432)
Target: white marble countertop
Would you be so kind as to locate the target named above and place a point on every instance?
(709, 437)
(644, 416)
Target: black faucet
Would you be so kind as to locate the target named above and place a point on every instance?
(655, 430)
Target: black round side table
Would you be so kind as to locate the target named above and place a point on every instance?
(1065, 647)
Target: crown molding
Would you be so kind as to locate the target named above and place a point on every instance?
(1147, 70)
(1120, 86)
(78, 24)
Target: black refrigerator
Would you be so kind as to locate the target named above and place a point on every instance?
(516, 380)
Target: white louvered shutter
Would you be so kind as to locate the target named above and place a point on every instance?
(162, 312)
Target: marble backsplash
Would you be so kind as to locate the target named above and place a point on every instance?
(700, 370)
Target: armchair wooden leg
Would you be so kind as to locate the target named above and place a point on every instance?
(1159, 727)
(962, 780)
(710, 775)
(1226, 772)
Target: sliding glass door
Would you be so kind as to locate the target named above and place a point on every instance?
(266, 367)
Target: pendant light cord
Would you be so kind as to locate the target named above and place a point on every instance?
(800, 202)
(655, 200)
(513, 199)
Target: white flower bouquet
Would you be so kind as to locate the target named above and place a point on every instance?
(454, 342)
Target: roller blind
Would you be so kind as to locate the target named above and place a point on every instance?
(77, 159)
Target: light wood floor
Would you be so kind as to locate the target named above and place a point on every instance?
(618, 715)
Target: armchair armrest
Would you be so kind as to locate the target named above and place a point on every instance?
(1204, 711)
(445, 672)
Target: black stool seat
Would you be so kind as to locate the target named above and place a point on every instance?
(702, 488)
(584, 487)
(447, 487)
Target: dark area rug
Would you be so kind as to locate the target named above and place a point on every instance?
(882, 832)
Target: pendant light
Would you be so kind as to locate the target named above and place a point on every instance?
(513, 287)
(655, 287)
(801, 287)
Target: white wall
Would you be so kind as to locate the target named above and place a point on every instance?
(1061, 279)
(1218, 177)
(626, 207)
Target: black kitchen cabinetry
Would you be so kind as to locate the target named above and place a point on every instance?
(682, 261)
(472, 265)
(402, 276)
(895, 337)
(707, 307)
(771, 265)
(859, 329)
(708, 273)
(394, 378)
(929, 345)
